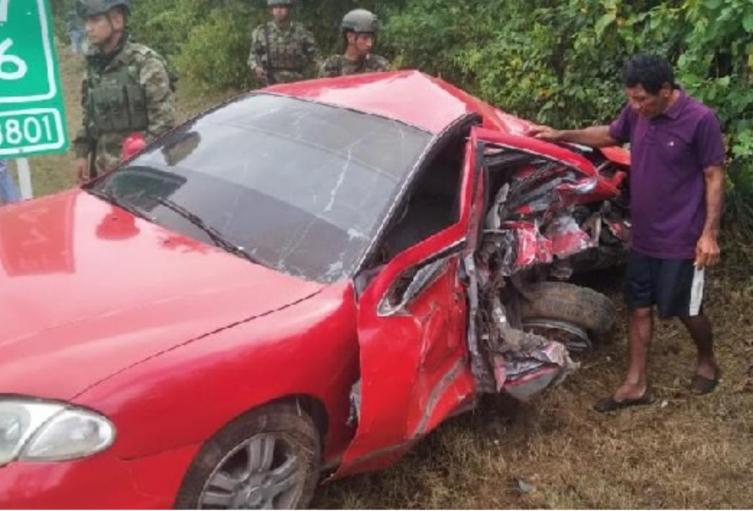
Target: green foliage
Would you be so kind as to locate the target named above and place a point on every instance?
(167, 24)
(717, 68)
(323, 17)
(559, 62)
(554, 61)
(198, 61)
(208, 40)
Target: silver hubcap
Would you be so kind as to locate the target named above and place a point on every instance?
(261, 473)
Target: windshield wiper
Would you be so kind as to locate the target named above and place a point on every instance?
(109, 196)
(213, 233)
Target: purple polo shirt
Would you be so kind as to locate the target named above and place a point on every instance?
(667, 185)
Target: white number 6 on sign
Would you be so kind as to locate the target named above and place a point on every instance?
(16, 63)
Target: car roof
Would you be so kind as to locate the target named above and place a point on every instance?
(409, 96)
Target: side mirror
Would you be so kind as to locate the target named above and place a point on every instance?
(408, 286)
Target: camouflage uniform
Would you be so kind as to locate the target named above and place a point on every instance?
(285, 53)
(339, 65)
(122, 93)
(358, 21)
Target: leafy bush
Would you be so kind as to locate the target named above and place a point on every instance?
(559, 62)
(717, 67)
(555, 61)
(201, 63)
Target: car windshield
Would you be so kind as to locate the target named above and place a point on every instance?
(295, 185)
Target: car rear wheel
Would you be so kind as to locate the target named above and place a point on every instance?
(567, 313)
(267, 459)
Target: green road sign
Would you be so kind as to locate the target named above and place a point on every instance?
(32, 116)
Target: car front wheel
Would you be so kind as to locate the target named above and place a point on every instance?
(266, 459)
(571, 314)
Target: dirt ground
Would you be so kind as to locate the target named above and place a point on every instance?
(555, 452)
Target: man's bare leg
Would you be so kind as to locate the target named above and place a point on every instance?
(700, 331)
(640, 327)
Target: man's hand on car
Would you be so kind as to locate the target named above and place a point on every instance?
(544, 133)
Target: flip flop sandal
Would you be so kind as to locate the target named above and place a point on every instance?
(610, 404)
(701, 385)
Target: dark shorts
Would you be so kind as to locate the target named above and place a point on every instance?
(674, 286)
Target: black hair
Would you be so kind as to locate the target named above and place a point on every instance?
(650, 71)
(345, 38)
(124, 11)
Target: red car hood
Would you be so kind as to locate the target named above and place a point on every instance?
(87, 290)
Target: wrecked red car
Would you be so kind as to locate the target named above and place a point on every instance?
(303, 281)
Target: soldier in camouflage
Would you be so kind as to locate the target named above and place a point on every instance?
(126, 89)
(282, 50)
(359, 28)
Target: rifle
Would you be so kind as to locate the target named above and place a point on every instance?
(92, 161)
(269, 79)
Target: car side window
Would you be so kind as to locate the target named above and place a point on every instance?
(432, 205)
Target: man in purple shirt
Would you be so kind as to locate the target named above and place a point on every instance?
(676, 195)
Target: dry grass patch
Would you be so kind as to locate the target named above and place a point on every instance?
(682, 452)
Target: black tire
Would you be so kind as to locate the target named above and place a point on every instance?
(580, 306)
(294, 441)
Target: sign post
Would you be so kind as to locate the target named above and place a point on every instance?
(32, 114)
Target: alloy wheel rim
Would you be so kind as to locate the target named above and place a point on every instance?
(263, 472)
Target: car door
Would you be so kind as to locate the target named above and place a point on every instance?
(412, 326)
(413, 317)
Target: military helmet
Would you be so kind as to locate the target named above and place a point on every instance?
(361, 21)
(282, 3)
(86, 8)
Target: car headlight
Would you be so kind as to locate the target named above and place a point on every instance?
(39, 431)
